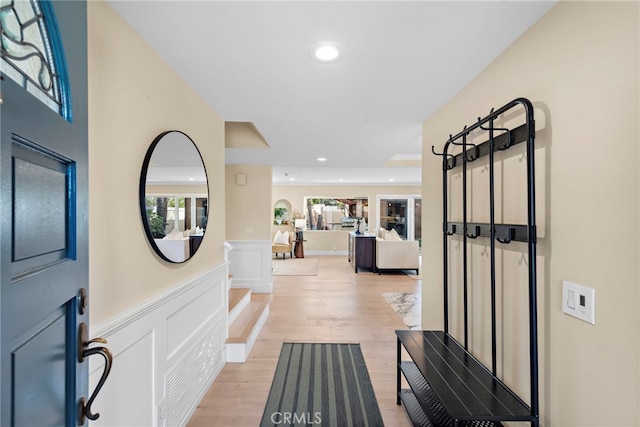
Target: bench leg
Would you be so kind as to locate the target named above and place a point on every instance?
(398, 373)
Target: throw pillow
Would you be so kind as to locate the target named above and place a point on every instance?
(281, 238)
(393, 235)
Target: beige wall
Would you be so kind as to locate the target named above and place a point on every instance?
(248, 206)
(133, 97)
(328, 241)
(579, 65)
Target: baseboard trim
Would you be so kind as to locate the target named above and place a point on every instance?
(326, 253)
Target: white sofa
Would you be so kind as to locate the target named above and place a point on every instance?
(393, 253)
(176, 246)
(177, 250)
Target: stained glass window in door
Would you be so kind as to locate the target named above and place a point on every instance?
(31, 53)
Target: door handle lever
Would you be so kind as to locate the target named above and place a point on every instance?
(83, 352)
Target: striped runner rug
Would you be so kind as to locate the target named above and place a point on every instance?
(321, 384)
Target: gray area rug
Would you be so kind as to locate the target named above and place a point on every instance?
(321, 384)
(295, 267)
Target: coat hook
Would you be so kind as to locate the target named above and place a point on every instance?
(474, 236)
(447, 157)
(476, 150)
(504, 234)
(510, 234)
(453, 230)
(507, 131)
(476, 153)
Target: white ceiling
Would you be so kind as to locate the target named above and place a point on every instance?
(403, 60)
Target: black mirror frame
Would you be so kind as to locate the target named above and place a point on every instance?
(143, 191)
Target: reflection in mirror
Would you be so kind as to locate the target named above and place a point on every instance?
(174, 196)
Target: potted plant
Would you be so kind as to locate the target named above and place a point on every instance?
(279, 214)
(157, 225)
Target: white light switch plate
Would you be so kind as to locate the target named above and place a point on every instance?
(579, 301)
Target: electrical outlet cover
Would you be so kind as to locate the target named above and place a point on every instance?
(579, 301)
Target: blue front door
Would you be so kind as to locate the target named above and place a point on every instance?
(43, 213)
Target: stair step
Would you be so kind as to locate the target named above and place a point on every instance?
(244, 331)
(244, 324)
(236, 296)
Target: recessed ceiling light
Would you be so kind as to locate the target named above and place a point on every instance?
(391, 180)
(321, 159)
(326, 52)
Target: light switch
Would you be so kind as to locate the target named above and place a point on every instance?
(571, 299)
(579, 301)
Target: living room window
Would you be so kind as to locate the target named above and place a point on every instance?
(336, 213)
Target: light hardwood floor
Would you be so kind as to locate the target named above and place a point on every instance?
(337, 305)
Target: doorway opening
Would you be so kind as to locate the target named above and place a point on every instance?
(401, 213)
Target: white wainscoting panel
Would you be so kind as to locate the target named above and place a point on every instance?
(127, 398)
(188, 320)
(192, 375)
(167, 352)
(250, 265)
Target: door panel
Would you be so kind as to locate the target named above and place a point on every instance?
(43, 198)
(44, 242)
(40, 370)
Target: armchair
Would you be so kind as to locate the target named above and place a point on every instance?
(283, 243)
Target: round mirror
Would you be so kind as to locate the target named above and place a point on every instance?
(174, 196)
